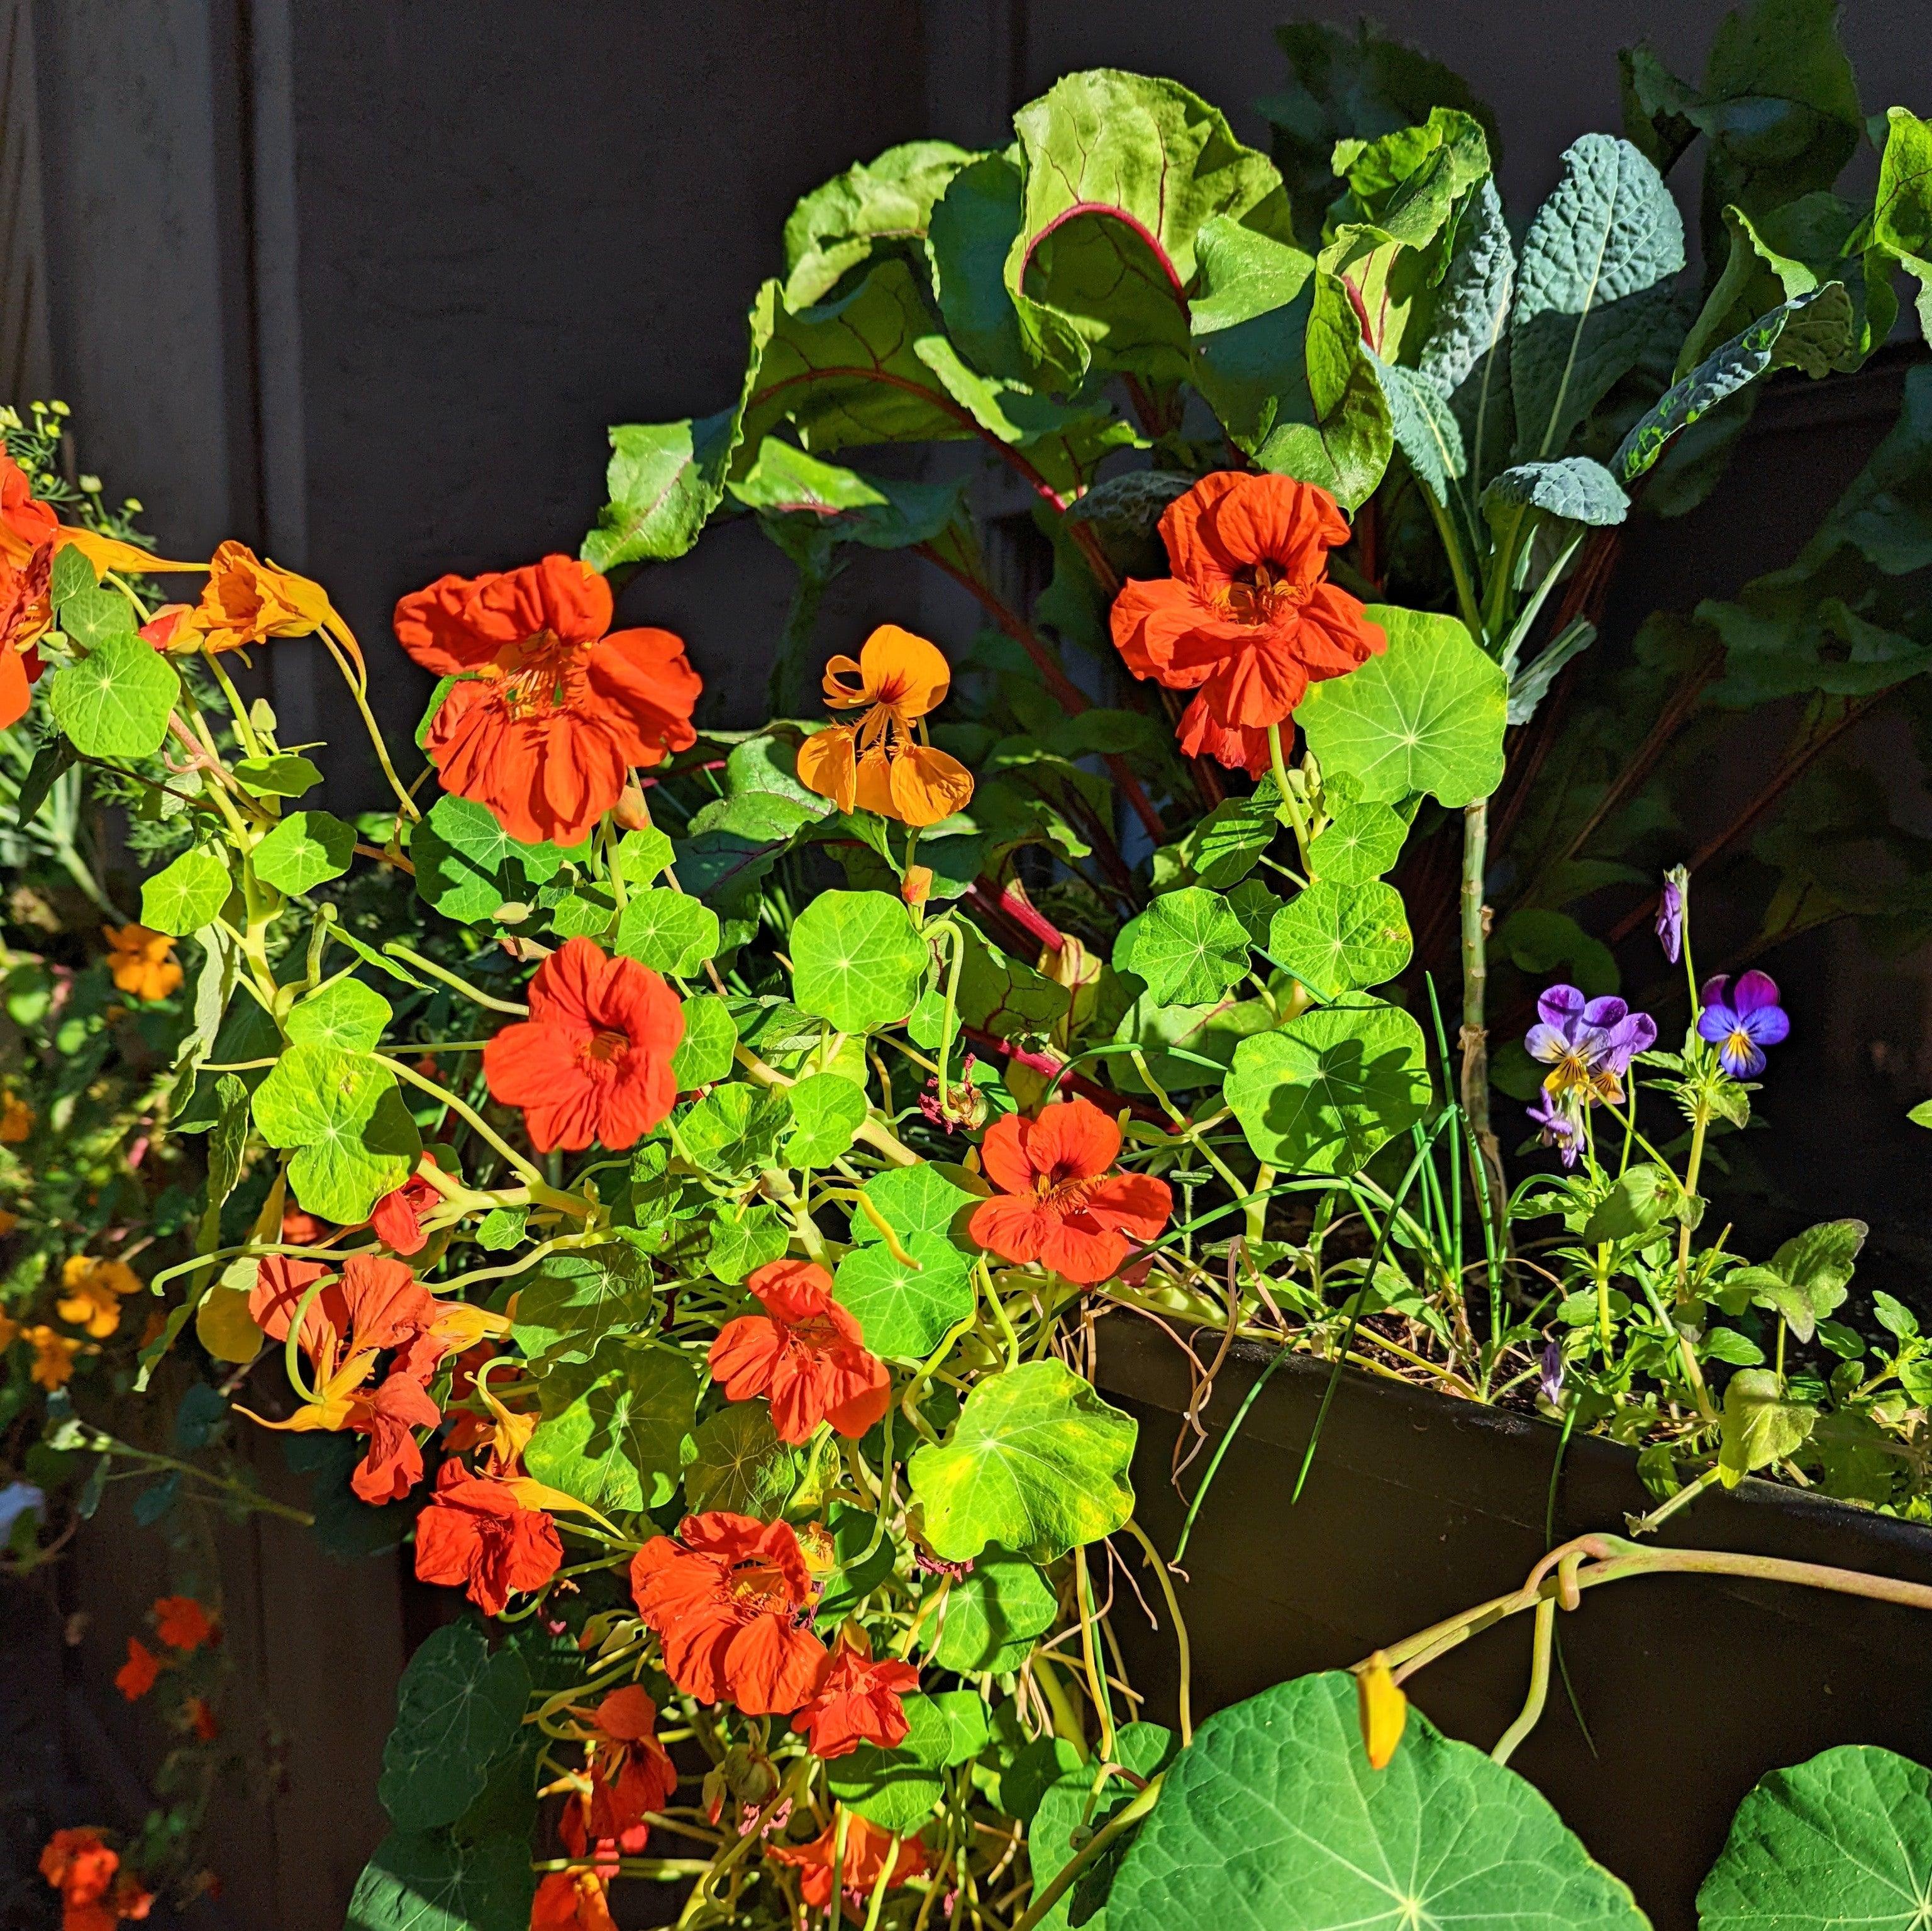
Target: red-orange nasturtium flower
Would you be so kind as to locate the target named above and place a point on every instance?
(883, 763)
(476, 1534)
(26, 613)
(731, 1600)
(571, 1901)
(866, 1845)
(198, 1720)
(96, 1894)
(630, 1775)
(139, 1673)
(1058, 1201)
(1249, 619)
(857, 1700)
(182, 1623)
(592, 1061)
(804, 1353)
(552, 714)
(398, 1218)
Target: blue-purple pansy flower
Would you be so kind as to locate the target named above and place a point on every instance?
(1670, 913)
(1741, 1021)
(1588, 1044)
(1559, 1120)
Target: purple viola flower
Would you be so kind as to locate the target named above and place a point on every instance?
(1559, 1120)
(1742, 1022)
(1549, 1376)
(1588, 1043)
(1670, 912)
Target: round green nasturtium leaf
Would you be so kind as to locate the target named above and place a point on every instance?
(905, 1311)
(1427, 715)
(921, 1200)
(1323, 1093)
(612, 1432)
(1843, 1839)
(588, 914)
(458, 1707)
(992, 1616)
(475, 831)
(1273, 1817)
(744, 1238)
(186, 895)
(857, 959)
(1188, 946)
(897, 1789)
(347, 1014)
(1067, 1802)
(1341, 938)
(283, 775)
(344, 1112)
(710, 1039)
(114, 702)
(826, 1111)
(578, 1297)
(1360, 842)
(432, 1881)
(644, 856)
(668, 931)
(306, 849)
(1036, 1462)
(741, 1465)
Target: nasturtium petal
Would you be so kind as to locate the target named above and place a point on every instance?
(187, 894)
(459, 1706)
(1188, 946)
(611, 1433)
(306, 849)
(1036, 1461)
(116, 701)
(857, 959)
(1321, 1094)
(905, 1310)
(668, 931)
(1273, 1816)
(1427, 715)
(344, 1115)
(345, 1013)
(1845, 1838)
(1341, 938)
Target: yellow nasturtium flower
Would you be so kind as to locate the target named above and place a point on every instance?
(883, 763)
(94, 1290)
(142, 963)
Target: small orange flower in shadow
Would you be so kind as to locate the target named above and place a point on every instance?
(92, 1292)
(139, 1673)
(866, 1845)
(182, 1623)
(630, 1775)
(552, 712)
(883, 763)
(804, 1353)
(53, 1354)
(96, 1894)
(1058, 1201)
(142, 963)
(1249, 619)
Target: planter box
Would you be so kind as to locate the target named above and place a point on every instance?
(1418, 1506)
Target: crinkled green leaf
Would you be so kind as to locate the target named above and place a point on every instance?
(873, 205)
(1036, 1462)
(1573, 488)
(116, 701)
(1761, 1424)
(665, 480)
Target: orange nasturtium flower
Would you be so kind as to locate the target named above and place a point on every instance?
(16, 1120)
(1058, 1201)
(93, 1292)
(883, 763)
(182, 1623)
(728, 1597)
(1249, 619)
(96, 1894)
(477, 1532)
(866, 1845)
(857, 1700)
(246, 601)
(550, 713)
(592, 1061)
(53, 1355)
(139, 1673)
(804, 1353)
(630, 1775)
(142, 963)
(572, 1901)
(26, 613)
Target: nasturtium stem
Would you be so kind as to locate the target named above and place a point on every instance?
(1068, 1873)
(1539, 1681)
(1160, 1568)
(1089, 1656)
(396, 949)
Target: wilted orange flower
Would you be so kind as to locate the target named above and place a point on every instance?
(142, 963)
(630, 1775)
(1249, 619)
(866, 1845)
(552, 712)
(26, 612)
(1382, 1708)
(1058, 1201)
(804, 1353)
(170, 631)
(53, 1354)
(592, 1061)
(730, 1599)
(857, 1700)
(883, 763)
(181, 1622)
(16, 1120)
(246, 601)
(139, 1673)
(94, 1291)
